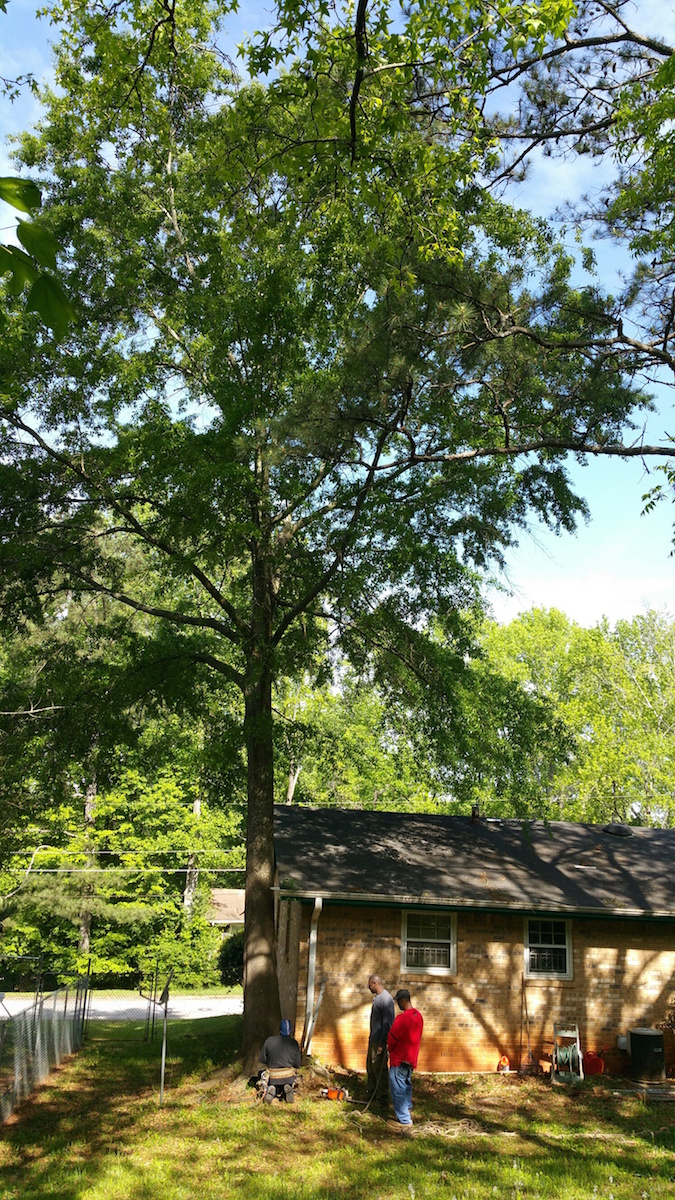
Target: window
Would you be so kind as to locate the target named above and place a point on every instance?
(548, 948)
(429, 943)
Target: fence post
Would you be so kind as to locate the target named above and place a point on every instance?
(66, 1027)
(38, 1072)
(87, 1001)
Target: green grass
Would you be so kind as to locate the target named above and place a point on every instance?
(95, 1131)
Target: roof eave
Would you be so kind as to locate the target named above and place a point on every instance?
(482, 905)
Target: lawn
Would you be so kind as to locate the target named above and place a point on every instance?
(95, 1131)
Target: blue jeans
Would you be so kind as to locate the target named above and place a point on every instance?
(400, 1086)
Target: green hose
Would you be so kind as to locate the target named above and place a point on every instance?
(567, 1059)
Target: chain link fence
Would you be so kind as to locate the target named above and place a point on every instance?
(36, 1039)
(44, 1018)
(124, 1010)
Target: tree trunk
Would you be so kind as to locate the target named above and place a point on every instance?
(293, 775)
(84, 940)
(192, 873)
(261, 988)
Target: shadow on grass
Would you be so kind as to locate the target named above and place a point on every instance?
(92, 1107)
(96, 1131)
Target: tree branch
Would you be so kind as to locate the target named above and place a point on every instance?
(361, 40)
(137, 528)
(150, 610)
(361, 497)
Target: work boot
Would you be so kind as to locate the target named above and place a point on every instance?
(289, 1094)
(398, 1126)
(269, 1094)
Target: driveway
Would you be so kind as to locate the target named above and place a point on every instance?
(132, 1007)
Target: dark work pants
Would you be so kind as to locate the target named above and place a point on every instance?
(376, 1070)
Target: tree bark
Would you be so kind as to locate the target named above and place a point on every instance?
(293, 776)
(84, 940)
(192, 872)
(261, 989)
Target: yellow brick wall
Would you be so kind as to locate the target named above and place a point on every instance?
(623, 976)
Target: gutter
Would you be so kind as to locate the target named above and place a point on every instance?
(457, 904)
(311, 975)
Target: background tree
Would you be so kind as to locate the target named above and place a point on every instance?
(118, 786)
(130, 873)
(612, 692)
(322, 378)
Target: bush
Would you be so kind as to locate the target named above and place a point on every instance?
(231, 959)
(190, 949)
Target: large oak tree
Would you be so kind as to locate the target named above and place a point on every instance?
(319, 373)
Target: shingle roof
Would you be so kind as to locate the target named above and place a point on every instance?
(226, 906)
(348, 854)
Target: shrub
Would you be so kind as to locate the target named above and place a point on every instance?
(231, 959)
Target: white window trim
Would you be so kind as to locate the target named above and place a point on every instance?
(405, 969)
(569, 973)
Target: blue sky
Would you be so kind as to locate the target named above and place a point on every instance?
(616, 565)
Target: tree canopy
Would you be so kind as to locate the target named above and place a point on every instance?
(321, 374)
(612, 690)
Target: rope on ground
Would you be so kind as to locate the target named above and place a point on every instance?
(462, 1128)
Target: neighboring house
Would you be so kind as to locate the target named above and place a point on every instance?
(226, 909)
(474, 916)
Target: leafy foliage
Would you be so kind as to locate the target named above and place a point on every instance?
(612, 690)
(231, 959)
(111, 797)
(324, 376)
(128, 869)
(46, 296)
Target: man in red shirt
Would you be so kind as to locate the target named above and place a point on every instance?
(403, 1044)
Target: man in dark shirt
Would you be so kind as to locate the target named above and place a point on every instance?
(381, 1020)
(281, 1058)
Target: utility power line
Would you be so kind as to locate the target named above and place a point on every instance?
(63, 850)
(136, 870)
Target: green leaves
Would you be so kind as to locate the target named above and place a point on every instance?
(39, 242)
(22, 194)
(613, 693)
(19, 266)
(46, 296)
(365, 72)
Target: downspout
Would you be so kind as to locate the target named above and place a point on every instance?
(311, 974)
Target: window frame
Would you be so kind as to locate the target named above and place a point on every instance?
(420, 970)
(532, 974)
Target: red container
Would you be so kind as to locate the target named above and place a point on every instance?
(593, 1064)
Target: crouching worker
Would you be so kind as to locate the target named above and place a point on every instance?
(281, 1059)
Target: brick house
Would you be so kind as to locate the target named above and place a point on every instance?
(474, 916)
